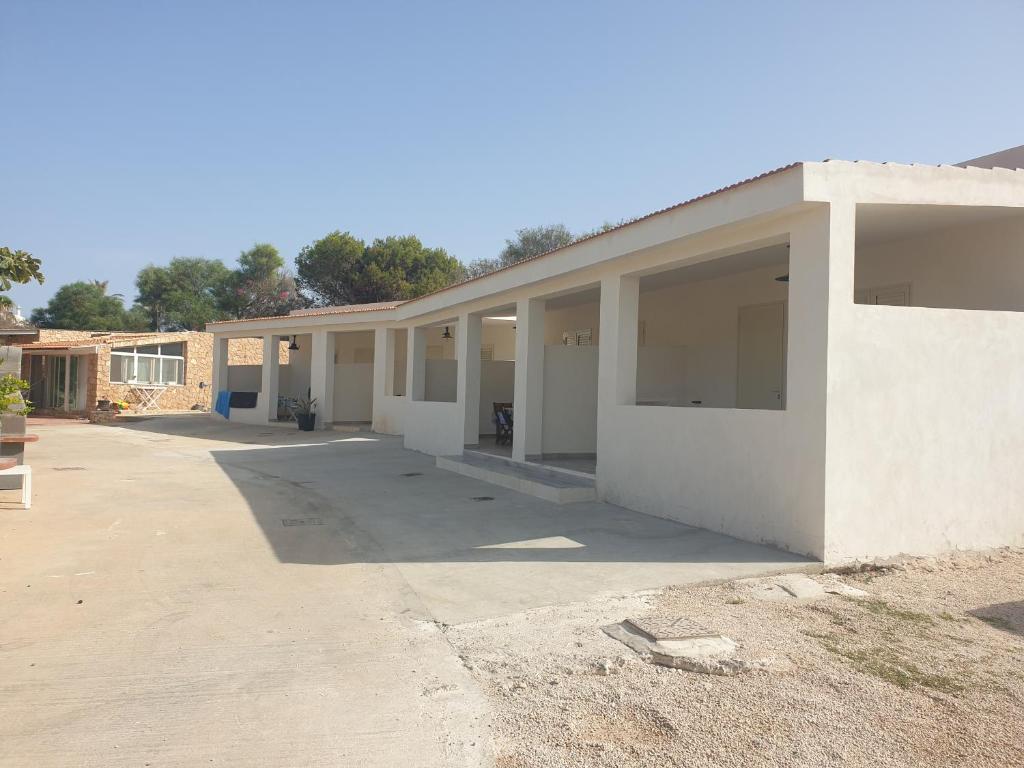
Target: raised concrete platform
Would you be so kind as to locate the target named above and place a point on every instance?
(548, 483)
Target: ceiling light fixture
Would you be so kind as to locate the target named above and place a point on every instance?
(447, 335)
(293, 346)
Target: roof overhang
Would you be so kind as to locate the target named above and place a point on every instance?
(69, 349)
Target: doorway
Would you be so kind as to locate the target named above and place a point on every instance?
(761, 357)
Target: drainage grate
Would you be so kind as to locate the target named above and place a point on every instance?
(411, 474)
(69, 469)
(483, 498)
(290, 521)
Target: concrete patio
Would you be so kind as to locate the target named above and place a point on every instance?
(186, 591)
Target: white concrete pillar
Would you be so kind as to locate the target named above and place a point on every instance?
(269, 378)
(321, 377)
(416, 367)
(220, 367)
(383, 369)
(384, 362)
(620, 305)
(468, 388)
(528, 401)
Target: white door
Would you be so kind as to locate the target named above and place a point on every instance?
(761, 360)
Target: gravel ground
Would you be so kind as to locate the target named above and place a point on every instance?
(926, 671)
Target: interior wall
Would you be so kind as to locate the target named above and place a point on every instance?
(353, 392)
(703, 318)
(570, 320)
(661, 376)
(245, 378)
(294, 378)
(497, 385)
(353, 347)
(441, 380)
(501, 336)
(440, 348)
(972, 267)
(570, 400)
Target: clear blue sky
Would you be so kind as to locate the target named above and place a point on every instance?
(133, 132)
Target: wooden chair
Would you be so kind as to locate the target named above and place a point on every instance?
(503, 423)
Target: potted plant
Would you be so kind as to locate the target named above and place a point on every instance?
(305, 414)
(13, 405)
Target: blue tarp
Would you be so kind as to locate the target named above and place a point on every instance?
(223, 404)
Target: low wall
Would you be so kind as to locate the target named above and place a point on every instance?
(389, 414)
(755, 475)
(925, 431)
(257, 415)
(434, 428)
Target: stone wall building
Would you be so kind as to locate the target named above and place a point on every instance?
(72, 371)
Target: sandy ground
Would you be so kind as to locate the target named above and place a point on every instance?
(926, 671)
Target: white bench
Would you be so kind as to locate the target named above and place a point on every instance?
(26, 483)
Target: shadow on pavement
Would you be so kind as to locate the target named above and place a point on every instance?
(335, 497)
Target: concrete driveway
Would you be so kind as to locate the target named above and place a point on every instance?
(189, 592)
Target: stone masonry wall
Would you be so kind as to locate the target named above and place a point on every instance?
(250, 352)
(198, 368)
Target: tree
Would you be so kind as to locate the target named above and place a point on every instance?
(260, 286)
(533, 241)
(528, 242)
(184, 295)
(86, 306)
(18, 267)
(325, 270)
(402, 268)
(341, 269)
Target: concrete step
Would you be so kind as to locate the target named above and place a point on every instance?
(550, 484)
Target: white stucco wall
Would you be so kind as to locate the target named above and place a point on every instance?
(501, 336)
(816, 478)
(704, 317)
(965, 267)
(570, 399)
(257, 415)
(661, 375)
(353, 392)
(570, 320)
(925, 431)
(756, 475)
(434, 428)
(354, 347)
(441, 380)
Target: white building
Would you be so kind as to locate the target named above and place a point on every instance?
(828, 358)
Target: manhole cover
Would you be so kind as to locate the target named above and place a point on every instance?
(411, 474)
(290, 521)
(660, 628)
(483, 498)
(69, 469)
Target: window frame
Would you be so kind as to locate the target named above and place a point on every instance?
(156, 365)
